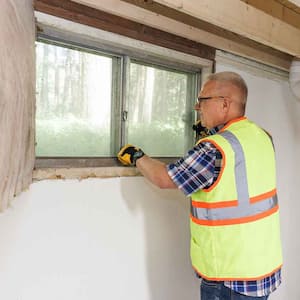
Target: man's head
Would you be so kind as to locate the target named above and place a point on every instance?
(222, 98)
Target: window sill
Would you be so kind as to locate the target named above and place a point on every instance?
(83, 168)
(83, 173)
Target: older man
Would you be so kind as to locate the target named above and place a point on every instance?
(230, 177)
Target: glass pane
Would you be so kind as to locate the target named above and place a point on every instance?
(159, 112)
(73, 105)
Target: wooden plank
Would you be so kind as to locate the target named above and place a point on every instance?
(282, 10)
(106, 21)
(17, 77)
(156, 20)
(292, 4)
(271, 7)
(242, 19)
(291, 17)
(234, 43)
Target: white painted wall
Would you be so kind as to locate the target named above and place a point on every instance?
(110, 239)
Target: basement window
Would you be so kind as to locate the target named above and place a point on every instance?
(73, 103)
(90, 102)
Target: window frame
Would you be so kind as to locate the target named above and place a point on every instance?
(123, 54)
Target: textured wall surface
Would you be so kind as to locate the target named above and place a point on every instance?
(116, 238)
(17, 94)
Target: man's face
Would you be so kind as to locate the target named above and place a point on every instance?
(209, 110)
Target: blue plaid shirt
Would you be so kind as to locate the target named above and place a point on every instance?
(197, 170)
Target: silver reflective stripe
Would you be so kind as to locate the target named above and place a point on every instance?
(244, 207)
(235, 212)
(241, 181)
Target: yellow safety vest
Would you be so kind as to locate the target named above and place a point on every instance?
(235, 232)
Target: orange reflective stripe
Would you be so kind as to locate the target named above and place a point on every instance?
(231, 122)
(236, 220)
(215, 204)
(237, 278)
(264, 196)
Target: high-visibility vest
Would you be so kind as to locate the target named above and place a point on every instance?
(235, 232)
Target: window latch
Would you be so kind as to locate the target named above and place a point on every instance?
(124, 115)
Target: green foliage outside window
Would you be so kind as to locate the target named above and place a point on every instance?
(75, 108)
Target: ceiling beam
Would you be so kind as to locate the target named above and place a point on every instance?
(232, 43)
(280, 9)
(96, 18)
(293, 4)
(240, 18)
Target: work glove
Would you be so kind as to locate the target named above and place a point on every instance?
(129, 154)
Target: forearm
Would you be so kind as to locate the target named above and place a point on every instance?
(155, 171)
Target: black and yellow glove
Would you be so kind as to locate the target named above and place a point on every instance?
(129, 154)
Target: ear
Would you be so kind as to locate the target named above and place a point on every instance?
(226, 104)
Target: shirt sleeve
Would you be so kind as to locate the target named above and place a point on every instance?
(196, 170)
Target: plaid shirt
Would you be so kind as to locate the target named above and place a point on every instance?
(197, 170)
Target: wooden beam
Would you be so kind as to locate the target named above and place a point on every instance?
(280, 9)
(106, 21)
(221, 38)
(17, 76)
(292, 4)
(242, 19)
(232, 44)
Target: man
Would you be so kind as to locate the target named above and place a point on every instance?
(230, 177)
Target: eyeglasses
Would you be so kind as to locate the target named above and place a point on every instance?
(200, 99)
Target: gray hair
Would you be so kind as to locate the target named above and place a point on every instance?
(234, 79)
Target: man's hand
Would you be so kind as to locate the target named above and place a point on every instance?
(129, 154)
